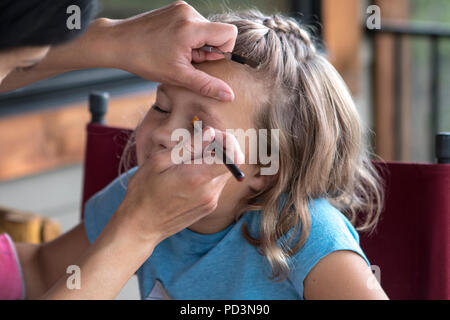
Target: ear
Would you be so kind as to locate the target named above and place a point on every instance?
(257, 182)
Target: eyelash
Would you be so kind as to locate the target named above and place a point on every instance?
(158, 109)
(21, 69)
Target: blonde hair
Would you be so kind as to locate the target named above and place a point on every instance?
(321, 140)
(321, 144)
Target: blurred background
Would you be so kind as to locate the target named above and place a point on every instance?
(398, 75)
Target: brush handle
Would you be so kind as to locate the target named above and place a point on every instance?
(235, 171)
(211, 49)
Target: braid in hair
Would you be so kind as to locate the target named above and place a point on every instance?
(289, 27)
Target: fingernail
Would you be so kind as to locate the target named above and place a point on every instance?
(208, 135)
(225, 95)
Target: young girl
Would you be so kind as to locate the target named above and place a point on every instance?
(284, 236)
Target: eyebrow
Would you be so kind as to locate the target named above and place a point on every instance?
(203, 107)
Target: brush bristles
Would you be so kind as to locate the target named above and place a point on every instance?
(196, 124)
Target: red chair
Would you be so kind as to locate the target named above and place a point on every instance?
(104, 147)
(411, 244)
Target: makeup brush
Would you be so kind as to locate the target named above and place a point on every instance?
(235, 171)
(232, 56)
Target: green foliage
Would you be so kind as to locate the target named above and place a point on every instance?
(437, 12)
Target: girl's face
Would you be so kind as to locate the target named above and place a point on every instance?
(175, 107)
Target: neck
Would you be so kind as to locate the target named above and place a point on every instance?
(219, 219)
(212, 223)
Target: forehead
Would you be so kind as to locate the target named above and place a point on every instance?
(227, 71)
(234, 74)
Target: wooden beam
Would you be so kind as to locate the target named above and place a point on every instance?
(35, 142)
(383, 97)
(384, 87)
(342, 36)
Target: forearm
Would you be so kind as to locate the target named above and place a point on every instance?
(94, 49)
(107, 265)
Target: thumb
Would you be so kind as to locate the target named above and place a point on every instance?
(204, 84)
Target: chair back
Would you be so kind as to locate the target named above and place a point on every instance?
(411, 244)
(104, 147)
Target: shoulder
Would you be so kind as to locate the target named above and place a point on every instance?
(102, 205)
(328, 224)
(330, 231)
(336, 266)
(342, 275)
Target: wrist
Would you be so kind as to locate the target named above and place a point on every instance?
(128, 223)
(100, 45)
(94, 49)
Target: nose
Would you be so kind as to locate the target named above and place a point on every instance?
(161, 136)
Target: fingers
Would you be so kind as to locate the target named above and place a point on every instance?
(190, 216)
(194, 149)
(200, 148)
(213, 164)
(199, 157)
(220, 35)
(199, 56)
(204, 84)
(230, 144)
(162, 44)
(188, 150)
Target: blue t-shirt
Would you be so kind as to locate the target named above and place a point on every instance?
(223, 265)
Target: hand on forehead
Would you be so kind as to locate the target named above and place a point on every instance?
(223, 115)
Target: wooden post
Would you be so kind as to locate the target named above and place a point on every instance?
(342, 35)
(384, 87)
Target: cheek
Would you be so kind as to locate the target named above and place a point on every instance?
(139, 146)
(236, 190)
(143, 134)
(139, 140)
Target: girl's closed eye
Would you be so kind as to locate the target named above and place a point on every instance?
(22, 69)
(159, 109)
